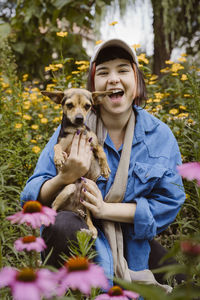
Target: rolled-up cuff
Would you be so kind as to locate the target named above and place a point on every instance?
(144, 223)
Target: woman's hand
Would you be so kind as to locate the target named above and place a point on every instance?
(78, 161)
(92, 199)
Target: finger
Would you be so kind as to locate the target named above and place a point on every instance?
(88, 205)
(89, 197)
(90, 186)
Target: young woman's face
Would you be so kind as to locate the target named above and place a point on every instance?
(117, 76)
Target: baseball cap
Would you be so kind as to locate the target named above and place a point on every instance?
(114, 43)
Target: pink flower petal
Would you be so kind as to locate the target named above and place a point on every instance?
(83, 280)
(25, 290)
(7, 276)
(37, 219)
(39, 245)
(190, 171)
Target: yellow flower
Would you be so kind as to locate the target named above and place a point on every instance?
(56, 120)
(183, 54)
(24, 77)
(68, 77)
(165, 70)
(58, 66)
(44, 120)
(159, 107)
(173, 111)
(62, 33)
(169, 62)
(83, 68)
(182, 107)
(159, 95)
(27, 117)
(142, 58)
(186, 95)
(156, 100)
(154, 77)
(99, 42)
(34, 126)
(135, 46)
(190, 121)
(18, 125)
(75, 72)
(175, 74)
(184, 77)
(33, 141)
(4, 85)
(40, 116)
(36, 149)
(176, 67)
(149, 100)
(56, 106)
(44, 106)
(183, 115)
(113, 23)
(82, 62)
(182, 59)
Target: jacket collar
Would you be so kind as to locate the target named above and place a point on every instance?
(145, 122)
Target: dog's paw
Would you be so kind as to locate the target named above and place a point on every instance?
(105, 171)
(59, 161)
(93, 231)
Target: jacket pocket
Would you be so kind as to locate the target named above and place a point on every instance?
(148, 173)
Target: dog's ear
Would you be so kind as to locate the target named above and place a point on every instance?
(56, 96)
(99, 95)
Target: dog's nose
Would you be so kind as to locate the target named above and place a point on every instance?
(79, 119)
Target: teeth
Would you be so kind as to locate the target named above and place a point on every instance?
(116, 91)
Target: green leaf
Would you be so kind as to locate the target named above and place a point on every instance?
(5, 30)
(19, 47)
(60, 3)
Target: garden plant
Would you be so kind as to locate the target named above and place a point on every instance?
(28, 119)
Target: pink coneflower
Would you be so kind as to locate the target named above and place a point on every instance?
(34, 214)
(30, 243)
(190, 248)
(190, 171)
(116, 293)
(79, 274)
(28, 284)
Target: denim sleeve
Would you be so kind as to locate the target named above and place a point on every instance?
(160, 207)
(45, 170)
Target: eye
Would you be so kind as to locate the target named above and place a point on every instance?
(69, 105)
(87, 106)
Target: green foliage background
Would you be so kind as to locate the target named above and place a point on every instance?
(28, 119)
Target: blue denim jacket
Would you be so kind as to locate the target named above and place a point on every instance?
(153, 184)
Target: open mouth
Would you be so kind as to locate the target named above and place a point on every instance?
(116, 94)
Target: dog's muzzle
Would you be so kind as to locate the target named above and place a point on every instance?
(79, 119)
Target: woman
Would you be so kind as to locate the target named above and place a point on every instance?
(143, 194)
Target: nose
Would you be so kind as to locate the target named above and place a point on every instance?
(79, 119)
(113, 78)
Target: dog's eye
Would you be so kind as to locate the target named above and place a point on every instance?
(87, 106)
(69, 105)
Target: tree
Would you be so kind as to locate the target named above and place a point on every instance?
(32, 30)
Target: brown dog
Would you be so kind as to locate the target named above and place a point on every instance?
(76, 104)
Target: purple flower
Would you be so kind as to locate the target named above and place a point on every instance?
(28, 283)
(116, 293)
(30, 243)
(190, 171)
(79, 274)
(34, 214)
